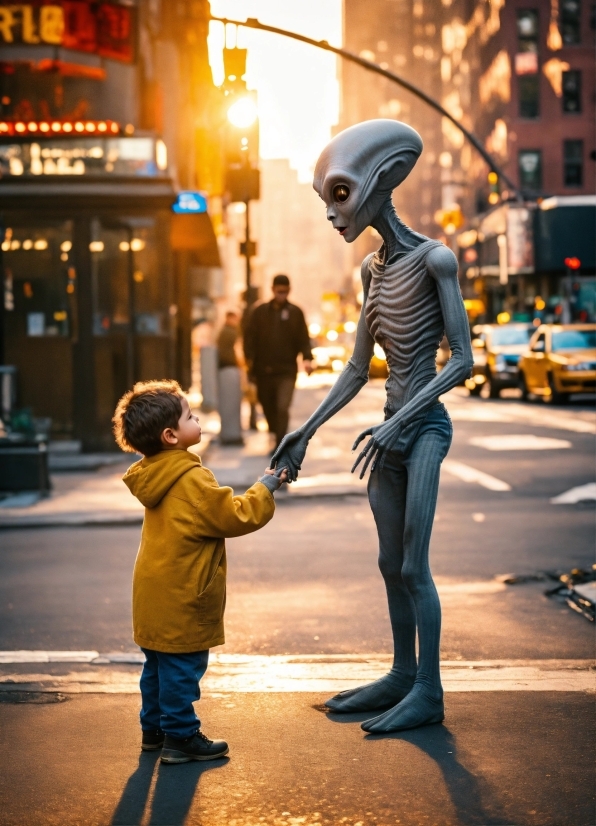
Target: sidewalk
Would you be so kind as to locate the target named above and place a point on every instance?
(77, 760)
(98, 496)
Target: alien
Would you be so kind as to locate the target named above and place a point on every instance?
(411, 297)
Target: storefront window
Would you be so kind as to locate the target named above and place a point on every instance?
(126, 157)
(128, 280)
(40, 280)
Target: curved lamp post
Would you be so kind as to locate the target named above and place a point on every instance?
(253, 23)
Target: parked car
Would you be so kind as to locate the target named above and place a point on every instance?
(497, 349)
(561, 360)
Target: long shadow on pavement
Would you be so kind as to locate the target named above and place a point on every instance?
(174, 792)
(471, 795)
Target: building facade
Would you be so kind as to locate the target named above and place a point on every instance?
(106, 114)
(519, 74)
(522, 75)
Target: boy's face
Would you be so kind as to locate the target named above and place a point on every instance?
(186, 434)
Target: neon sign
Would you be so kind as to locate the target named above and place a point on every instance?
(105, 29)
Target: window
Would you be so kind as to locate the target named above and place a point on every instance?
(527, 30)
(529, 96)
(39, 279)
(530, 169)
(573, 163)
(509, 335)
(574, 340)
(572, 91)
(526, 63)
(570, 22)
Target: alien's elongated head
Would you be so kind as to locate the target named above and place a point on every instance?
(359, 169)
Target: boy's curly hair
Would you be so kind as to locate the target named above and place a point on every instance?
(144, 413)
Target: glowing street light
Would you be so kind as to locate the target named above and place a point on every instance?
(243, 113)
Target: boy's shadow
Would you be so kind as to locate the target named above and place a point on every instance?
(471, 795)
(174, 792)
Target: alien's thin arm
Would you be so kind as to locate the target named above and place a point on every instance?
(442, 267)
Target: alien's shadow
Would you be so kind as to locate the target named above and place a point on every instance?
(473, 798)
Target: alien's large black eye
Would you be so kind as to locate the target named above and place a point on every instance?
(341, 193)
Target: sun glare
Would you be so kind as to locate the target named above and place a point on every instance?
(296, 84)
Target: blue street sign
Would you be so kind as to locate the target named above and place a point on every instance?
(189, 201)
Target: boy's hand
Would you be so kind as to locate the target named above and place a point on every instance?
(282, 474)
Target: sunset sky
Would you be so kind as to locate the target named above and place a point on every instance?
(297, 85)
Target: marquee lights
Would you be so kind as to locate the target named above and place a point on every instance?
(58, 127)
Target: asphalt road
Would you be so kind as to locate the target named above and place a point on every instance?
(308, 585)
(308, 582)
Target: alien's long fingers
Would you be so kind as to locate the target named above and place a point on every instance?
(362, 454)
(379, 460)
(360, 438)
(369, 459)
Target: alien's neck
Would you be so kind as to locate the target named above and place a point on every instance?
(398, 239)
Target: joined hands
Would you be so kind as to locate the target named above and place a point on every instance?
(290, 453)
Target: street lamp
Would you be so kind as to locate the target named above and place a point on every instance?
(242, 173)
(243, 113)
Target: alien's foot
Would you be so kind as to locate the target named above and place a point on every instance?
(383, 693)
(419, 708)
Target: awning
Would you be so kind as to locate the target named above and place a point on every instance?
(195, 233)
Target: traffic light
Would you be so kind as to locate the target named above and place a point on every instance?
(242, 147)
(493, 185)
(234, 69)
(242, 130)
(450, 219)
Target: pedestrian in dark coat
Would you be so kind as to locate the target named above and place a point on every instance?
(276, 333)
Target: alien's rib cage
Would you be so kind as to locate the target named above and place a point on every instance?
(404, 317)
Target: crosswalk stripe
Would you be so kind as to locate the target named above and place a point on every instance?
(470, 474)
(582, 493)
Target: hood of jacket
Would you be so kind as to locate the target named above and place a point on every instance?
(151, 478)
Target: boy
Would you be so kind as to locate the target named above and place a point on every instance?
(179, 580)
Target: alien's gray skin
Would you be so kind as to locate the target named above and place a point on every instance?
(411, 297)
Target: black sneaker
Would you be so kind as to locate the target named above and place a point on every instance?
(152, 740)
(198, 747)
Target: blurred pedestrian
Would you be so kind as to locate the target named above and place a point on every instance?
(230, 382)
(276, 333)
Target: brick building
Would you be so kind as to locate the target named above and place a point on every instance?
(521, 73)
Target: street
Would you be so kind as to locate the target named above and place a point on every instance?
(305, 593)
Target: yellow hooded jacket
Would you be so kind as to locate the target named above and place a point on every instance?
(179, 580)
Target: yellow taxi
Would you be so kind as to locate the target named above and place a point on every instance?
(561, 360)
(497, 349)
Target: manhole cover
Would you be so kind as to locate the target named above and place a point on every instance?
(37, 697)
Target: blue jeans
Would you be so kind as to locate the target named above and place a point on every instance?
(169, 685)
